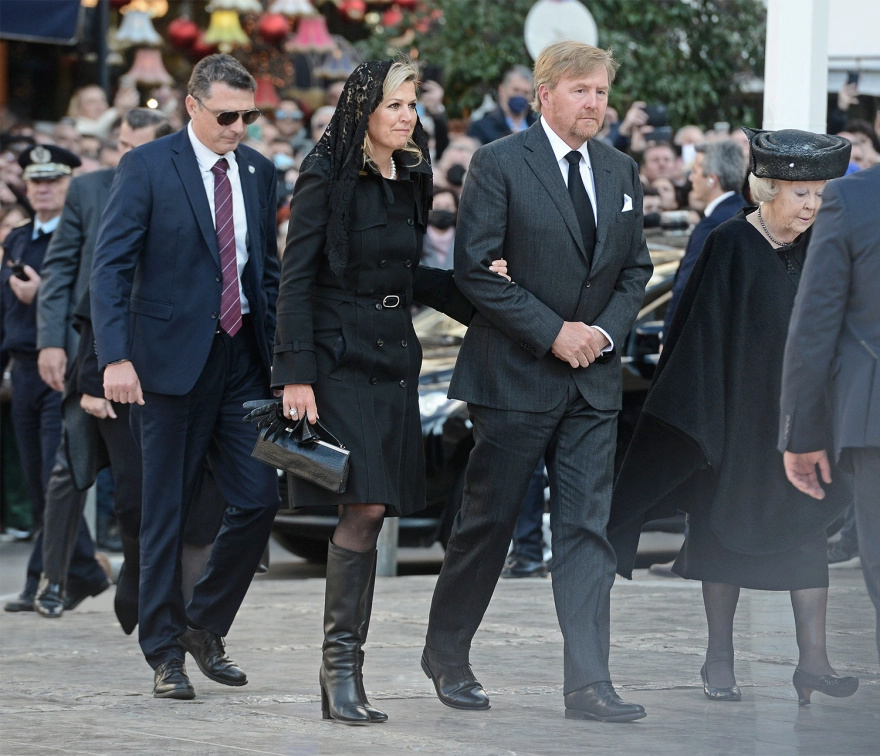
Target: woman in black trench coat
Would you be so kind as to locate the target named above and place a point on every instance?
(345, 349)
(706, 439)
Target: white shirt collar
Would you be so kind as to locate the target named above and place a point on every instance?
(560, 148)
(47, 228)
(205, 156)
(710, 208)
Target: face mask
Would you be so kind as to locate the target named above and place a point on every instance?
(441, 219)
(517, 105)
(282, 161)
(455, 175)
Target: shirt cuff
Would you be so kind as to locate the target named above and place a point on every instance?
(605, 333)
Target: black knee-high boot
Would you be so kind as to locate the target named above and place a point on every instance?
(375, 714)
(349, 575)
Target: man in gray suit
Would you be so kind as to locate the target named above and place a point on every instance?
(66, 271)
(831, 358)
(540, 371)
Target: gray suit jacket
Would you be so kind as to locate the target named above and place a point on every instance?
(515, 205)
(834, 337)
(68, 262)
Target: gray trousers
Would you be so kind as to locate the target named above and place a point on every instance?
(579, 442)
(866, 467)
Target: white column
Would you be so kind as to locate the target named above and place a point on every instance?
(796, 65)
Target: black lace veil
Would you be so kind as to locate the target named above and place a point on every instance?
(342, 145)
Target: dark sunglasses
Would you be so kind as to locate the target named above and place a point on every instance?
(228, 117)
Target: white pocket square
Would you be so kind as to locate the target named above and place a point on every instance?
(627, 203)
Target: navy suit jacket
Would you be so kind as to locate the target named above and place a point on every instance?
(725, 211)
(156, 278)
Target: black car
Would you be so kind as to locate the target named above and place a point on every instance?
(446, 427)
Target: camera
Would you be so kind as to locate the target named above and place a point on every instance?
(657, 115)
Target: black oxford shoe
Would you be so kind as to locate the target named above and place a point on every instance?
(455, 684)
(519, 567)
(23, 603)
(50, 600)
(171, 681)
(207, 649)
(601, 703)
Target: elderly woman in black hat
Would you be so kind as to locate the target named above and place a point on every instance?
(706, 440)
(345, 347)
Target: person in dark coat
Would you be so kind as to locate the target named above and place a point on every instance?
(515, 93)
(706, 440)
(718, 173)
(36, 405)
(345, 348)
(832, 349)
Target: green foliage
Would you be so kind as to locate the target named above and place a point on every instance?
(694, 55)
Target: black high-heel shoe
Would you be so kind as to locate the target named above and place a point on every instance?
(831, 685)
(719, 694)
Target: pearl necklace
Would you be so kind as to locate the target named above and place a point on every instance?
(393, 171)
(769, 236)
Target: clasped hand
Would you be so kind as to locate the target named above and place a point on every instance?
(579, 344)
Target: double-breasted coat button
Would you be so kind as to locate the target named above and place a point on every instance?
(409, 221)
(380, 343)
(403, 384)
(378, 305)
(407, 264)
(374, 381)
(382, 263)
(403, 343)
(587, 285)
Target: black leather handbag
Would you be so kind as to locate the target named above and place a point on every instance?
(310, 452)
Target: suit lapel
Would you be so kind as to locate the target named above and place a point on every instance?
(191, 177)
(251, 192)
(607, 199)
(542, 161)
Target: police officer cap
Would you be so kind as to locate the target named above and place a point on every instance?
(46, 161)
(794, 155)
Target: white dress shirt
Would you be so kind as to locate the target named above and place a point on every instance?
(560, 150)
(710, 208)
(47, 228)
(207, 158)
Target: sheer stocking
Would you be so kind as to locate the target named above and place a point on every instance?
(720, 601)
(809, 606)
(359, 526)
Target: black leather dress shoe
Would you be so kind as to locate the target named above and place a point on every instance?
(75, 597)
(171, 681)
(455, 684)
(207, 649)
(24, 603)
(50, 600)
(601, 703)
(518, 567)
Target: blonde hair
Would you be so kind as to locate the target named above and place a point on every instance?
(570, 59)
(401, 71)
(763, 189)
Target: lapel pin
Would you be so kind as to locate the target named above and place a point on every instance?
(252, 169)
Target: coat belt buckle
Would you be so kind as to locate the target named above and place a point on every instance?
(391, 301)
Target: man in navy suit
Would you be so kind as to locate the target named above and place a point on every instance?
(183, 290)
(717, 176)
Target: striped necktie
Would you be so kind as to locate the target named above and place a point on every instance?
(230, 300)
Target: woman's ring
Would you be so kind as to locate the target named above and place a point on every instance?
(293, 412)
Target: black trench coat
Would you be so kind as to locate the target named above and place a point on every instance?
(362, 358)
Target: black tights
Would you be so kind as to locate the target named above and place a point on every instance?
(359, 526)
(809, 605)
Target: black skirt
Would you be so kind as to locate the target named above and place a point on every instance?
(704, 557)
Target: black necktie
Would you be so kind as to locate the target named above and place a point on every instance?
(583, 208)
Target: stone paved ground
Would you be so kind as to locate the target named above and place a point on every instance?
(79, 686)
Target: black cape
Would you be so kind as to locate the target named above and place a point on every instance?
(706, 439)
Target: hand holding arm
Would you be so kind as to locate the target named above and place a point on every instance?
(801, 471)
(579, 344)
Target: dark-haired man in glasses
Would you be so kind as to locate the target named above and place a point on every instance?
(183, 289)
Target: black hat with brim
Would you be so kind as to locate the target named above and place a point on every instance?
(47, 161)
(794, 155)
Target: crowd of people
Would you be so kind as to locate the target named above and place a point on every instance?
(163, 266)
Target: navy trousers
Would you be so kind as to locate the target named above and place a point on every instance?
(175, 434)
